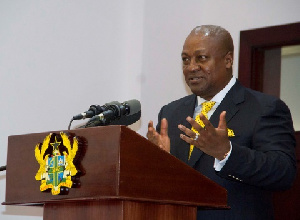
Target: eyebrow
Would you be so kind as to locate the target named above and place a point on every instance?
(196, 52)
(182, 54)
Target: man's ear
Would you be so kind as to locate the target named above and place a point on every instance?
(229, 59)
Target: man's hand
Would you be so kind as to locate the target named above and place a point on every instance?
(212, 141)
(160, 139)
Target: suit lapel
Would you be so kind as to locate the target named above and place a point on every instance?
(229, 104)
(183, 111)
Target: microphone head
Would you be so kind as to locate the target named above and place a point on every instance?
(133, 105)
(132, 115)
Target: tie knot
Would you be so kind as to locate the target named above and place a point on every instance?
(206, 106)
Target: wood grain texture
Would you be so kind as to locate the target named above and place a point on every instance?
(117, 210)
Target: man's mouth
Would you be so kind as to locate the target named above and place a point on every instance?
(195, 79)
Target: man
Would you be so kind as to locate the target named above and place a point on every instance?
(246, 142)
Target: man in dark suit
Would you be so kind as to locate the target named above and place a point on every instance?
(246, 142)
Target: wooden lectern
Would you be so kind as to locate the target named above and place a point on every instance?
(126, 178)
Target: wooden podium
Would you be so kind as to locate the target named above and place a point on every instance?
(126, 178)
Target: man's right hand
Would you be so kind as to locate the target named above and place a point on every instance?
(160, 139)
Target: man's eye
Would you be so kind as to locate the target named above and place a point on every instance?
(202, 57)
(185, 59)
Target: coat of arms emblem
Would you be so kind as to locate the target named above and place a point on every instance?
(55, 156)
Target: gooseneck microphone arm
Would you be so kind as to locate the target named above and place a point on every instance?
(114, 112)
(93, 110)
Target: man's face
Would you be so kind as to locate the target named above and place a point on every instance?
(206, 65)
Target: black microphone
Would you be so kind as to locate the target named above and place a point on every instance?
(94, 110)
(115, 112)
(127, 119)
(2, 168)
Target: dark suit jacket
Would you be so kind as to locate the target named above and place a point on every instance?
(262, 158)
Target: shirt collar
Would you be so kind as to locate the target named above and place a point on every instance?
(221, 95)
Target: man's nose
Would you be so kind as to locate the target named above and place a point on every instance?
(194, 66)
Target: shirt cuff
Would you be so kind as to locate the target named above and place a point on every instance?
(219, 164)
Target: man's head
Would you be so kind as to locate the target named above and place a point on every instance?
(207, 59)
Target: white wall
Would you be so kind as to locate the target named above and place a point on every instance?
(59, 57)
(289, 85)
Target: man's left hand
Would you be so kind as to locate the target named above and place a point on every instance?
(212, 141)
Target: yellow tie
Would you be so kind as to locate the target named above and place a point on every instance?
(206, 107)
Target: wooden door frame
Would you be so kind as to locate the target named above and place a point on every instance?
(254, 42)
